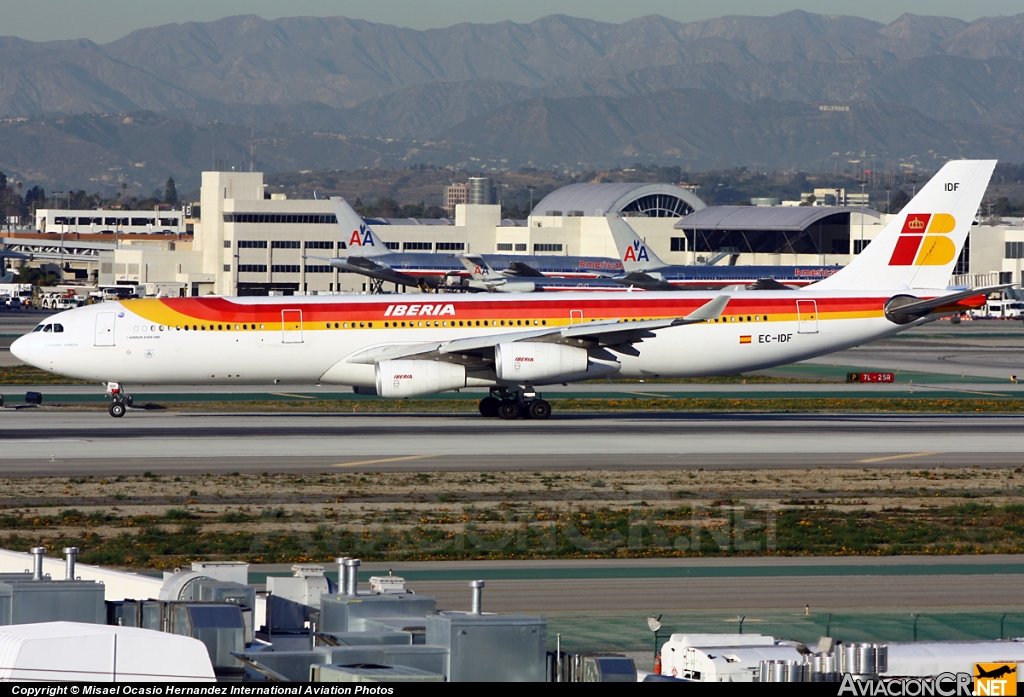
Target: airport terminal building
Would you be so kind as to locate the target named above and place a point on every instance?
(251, 243)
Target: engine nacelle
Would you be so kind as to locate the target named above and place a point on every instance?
(415, 378)
(528, 361)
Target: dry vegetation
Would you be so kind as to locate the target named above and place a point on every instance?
(166, 521)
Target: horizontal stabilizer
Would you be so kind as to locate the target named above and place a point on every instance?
(903, 309)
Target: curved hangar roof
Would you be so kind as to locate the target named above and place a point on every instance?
(640, 199)
(789, 218)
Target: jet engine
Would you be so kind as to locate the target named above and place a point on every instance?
(415, 378)
(528, 361)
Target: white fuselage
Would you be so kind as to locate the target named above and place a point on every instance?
(306, 340)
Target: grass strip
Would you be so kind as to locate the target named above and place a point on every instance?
(468, 405)
(178, 536)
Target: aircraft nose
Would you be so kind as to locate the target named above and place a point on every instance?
(20, 349)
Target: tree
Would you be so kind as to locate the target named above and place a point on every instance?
(171, 192)
(899, 199)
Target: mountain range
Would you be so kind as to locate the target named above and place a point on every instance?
(558, 92)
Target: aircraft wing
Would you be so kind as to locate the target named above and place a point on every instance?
(366, 266)
(616, 335)
(644, 280)
(519, 269)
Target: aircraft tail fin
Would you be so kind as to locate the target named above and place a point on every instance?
(478, 267)
(360, 239)
(633, 251)
(920, 246)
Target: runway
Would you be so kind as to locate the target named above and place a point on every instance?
(70, 443)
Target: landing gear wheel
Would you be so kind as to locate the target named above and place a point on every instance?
(489, 406)
(509, 410)
(117, 409)
(539, 409)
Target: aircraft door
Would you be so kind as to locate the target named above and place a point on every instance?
(104, 329)
(807, 316)
(291, 326)
(575, 316)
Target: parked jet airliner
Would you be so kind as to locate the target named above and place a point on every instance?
(645, 269)
(409, 345)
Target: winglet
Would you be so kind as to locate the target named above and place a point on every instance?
(633, 251)
(712, 309)
(360, 239)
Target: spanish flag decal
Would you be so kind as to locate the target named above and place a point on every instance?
(745, 339)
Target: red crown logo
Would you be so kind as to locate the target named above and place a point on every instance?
(916, 223)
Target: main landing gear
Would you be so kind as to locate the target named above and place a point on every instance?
(121, 401)
(514, 404)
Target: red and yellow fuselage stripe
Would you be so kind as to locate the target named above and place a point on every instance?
(554, 311)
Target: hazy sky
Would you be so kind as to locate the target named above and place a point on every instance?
(106, 20)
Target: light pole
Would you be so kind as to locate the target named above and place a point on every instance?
(888, 189)
(863, 183)
(530, 188)
(693, 189)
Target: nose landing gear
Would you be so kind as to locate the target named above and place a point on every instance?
(509, 404)
(121, 401)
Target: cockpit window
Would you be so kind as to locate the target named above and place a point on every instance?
(58, 328)
(38, 329)
(48, 328)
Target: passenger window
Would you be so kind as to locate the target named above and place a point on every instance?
(370, 325)
(544, 322)
(361, 325)
(261, 326)
(336, 325)
(403, 324)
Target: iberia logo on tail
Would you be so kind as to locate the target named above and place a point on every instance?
(923, 241)
(636, 252)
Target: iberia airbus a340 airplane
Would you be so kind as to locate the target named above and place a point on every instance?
(419, 344)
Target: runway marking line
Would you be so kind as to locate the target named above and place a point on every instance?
(386, 459)
(287, 394)
(648, 394)
(953, 389)
(896, 457)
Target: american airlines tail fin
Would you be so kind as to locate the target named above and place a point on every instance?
(478, 267)
(359, 238)
(920, 246)
(633, 251)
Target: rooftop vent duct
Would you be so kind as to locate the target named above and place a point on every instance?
(353, 576)
(70, 554)
(37, 562)
(478, 592)
(342, 573)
